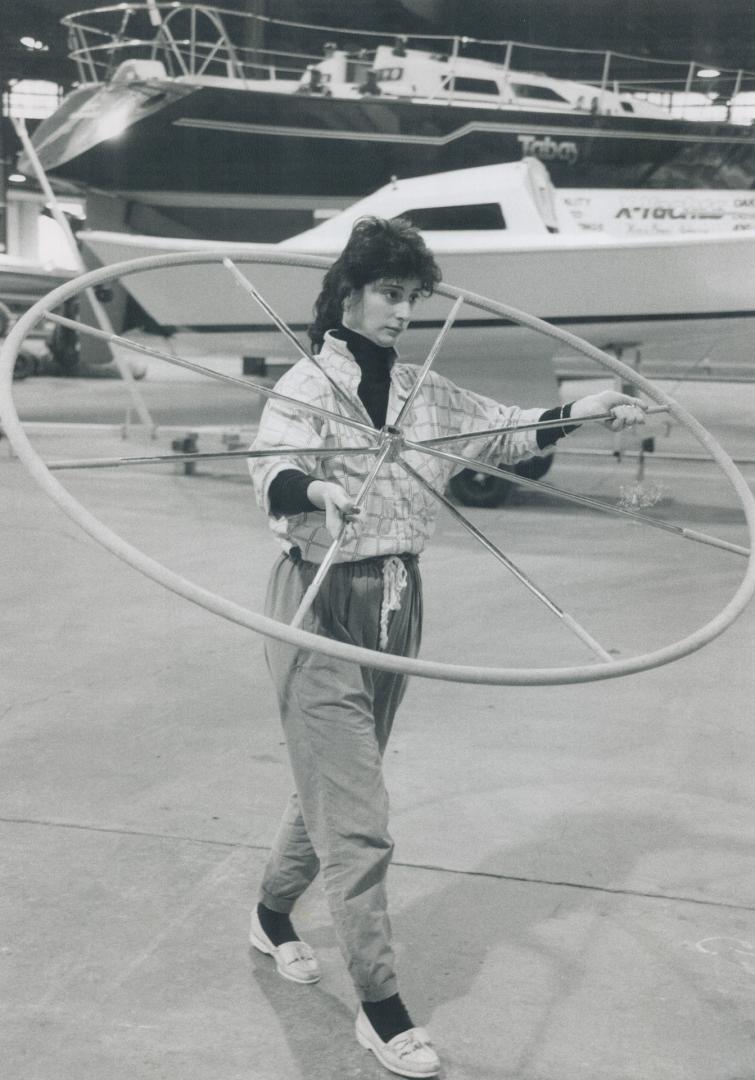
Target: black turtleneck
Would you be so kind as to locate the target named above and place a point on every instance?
(288, 490)
(375, 363)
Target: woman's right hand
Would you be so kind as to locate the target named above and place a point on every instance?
(338, 505)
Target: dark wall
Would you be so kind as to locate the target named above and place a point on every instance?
(711, 30)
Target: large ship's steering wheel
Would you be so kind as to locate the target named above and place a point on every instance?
(386, 445)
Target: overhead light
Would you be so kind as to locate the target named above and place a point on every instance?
(33, 45)
(32, 99)
(708, 73)
(16, 178)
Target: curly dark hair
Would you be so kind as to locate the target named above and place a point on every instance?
(377, 248)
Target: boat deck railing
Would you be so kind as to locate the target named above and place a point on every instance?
(200, 40)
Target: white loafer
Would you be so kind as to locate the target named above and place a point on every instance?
(409, 1053)
(294, 960)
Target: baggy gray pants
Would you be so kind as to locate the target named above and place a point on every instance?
(337, 718)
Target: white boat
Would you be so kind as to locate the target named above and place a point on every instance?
(498, 231)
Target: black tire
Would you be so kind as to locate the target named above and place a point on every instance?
(63, 342)
(26, 364)
(534, 468)
(473, 488)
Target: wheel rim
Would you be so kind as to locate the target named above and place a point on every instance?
(303, 639)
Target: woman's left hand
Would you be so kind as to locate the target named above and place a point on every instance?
(626, 411)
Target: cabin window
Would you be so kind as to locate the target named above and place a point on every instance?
(540, 93)
(392, 74)
(356, 70)
(453, 218)
(464, 85)
(627, 106)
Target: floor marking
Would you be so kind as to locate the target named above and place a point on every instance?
(730, 949)
(433, 868)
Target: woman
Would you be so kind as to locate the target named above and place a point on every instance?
(337, 716)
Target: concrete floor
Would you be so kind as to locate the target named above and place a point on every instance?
(573, 889)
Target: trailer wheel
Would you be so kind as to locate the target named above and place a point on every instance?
(534, 468)
(26, 364)
(479, 489)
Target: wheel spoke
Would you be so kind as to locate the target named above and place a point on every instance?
(161, 459)
(286, 330)
(572, 496)
(519, 574)
(422, 373)
(311, 593)
(177, 361)
(536, 425)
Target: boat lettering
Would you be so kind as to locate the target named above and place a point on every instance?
(548, 149)
(658, 213)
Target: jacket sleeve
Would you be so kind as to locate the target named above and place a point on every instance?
(284, 425)
(469, 412)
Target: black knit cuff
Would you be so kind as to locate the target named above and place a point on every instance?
(288, 493)
(549, 436)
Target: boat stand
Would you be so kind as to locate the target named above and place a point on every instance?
(137, 414)
(570, 370)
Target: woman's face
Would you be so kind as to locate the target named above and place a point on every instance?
(382, 309)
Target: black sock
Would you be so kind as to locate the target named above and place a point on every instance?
(276, 925)
(388, 1017)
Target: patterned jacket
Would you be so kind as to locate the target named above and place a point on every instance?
(398, 514)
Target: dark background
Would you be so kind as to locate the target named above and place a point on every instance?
(716, 32)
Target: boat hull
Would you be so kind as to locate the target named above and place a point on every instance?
(682, 296)
(207, 139)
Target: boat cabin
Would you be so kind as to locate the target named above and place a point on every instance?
(485, 207)
(399, 72)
